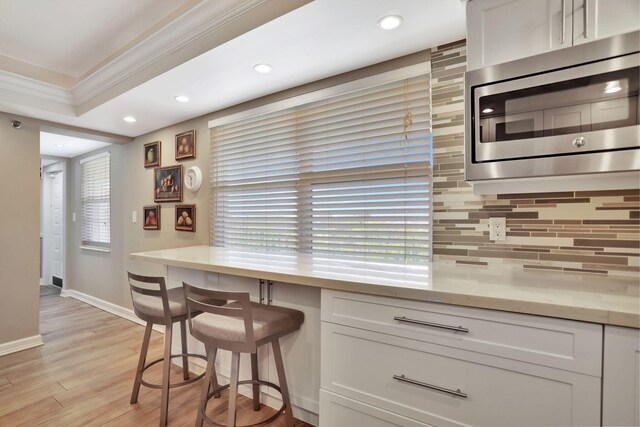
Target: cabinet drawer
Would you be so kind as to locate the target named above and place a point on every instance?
(558, 343)
(340, 411)
(444, 386)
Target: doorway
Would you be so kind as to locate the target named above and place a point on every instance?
(52, 230)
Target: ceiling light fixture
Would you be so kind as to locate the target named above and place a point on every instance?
(263, 68)
(487, 110)
(129, 119)
(59, 145)
(612, 87)
(182, 98)
(390, 22)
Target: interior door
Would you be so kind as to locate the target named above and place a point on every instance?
(57, 228)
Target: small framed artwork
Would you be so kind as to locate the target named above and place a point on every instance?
(152, 154)
(151, 217)
(167, 184)
(186, 145)
(186, 217)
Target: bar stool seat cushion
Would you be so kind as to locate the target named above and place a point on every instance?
(268, 320)
(152, 305)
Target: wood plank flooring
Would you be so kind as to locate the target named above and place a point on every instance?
(84, 373)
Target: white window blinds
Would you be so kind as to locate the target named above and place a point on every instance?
(95, 197)
(346, 177)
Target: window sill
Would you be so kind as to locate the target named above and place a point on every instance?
(96, 249)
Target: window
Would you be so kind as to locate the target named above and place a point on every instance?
(95, 200)
(346, 177)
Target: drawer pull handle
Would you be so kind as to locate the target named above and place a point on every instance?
(429, 386)
(433, 325)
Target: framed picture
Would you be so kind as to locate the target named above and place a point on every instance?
(167, 184)
(152, 154)
(151, 217)
(186, 217)
(186, 145)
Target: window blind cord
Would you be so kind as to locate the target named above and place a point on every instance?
(407, 122)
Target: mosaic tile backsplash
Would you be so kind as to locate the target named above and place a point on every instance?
(586, 231)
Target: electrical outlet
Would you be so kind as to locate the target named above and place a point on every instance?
(73, 217)
(134, 216)
(497, 229)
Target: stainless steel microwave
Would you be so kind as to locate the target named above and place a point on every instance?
(567, 112)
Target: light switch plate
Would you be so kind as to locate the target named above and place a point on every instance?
(497, 229)
(134, 216)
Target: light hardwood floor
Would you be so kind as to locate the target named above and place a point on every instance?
(83, 376)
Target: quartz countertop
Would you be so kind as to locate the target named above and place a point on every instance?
(610, 300)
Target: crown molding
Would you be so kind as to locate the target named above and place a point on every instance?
(19, 90)
(200, 29)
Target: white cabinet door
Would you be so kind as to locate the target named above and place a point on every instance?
(504, 30)
(621, 377)
(604, 18)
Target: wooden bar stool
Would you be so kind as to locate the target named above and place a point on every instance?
(240, 326)
(155, 304)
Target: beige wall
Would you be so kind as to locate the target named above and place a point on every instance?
(104, 275)
(19, 229)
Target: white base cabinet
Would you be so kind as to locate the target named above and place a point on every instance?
(432, 364)
(621, 377)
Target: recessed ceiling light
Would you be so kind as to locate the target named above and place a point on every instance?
(182, 98)
(487, 110)
(612, 87)
(59, 145)
(129, 119)
(390, 22)
(263, 68)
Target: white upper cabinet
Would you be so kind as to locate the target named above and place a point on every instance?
(604, 18)
(504, 30)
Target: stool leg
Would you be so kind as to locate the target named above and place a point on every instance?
(233, 389)
(141, 361)
(277, 355)
(185, 359)
(255, 376)
(209, 378)
(214, 375)
(166, 371)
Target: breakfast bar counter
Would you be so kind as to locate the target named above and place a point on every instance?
(609, 300)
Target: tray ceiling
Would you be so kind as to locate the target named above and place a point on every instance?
(204, 49)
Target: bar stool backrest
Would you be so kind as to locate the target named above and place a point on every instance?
(241, 308)
(153, 287)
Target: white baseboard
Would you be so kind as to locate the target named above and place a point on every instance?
(120, 311)
(21, 344)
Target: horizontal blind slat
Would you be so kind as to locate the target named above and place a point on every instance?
(348, 176)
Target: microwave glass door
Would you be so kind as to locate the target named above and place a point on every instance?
(583, 109)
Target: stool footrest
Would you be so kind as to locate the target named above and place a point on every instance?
(203, 405)
(179, 384)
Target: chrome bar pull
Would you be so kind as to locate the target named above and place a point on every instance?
(457, 392)
(564, 20)
(430, 324)
(261, 284)
(586, 19)
(269, 292)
